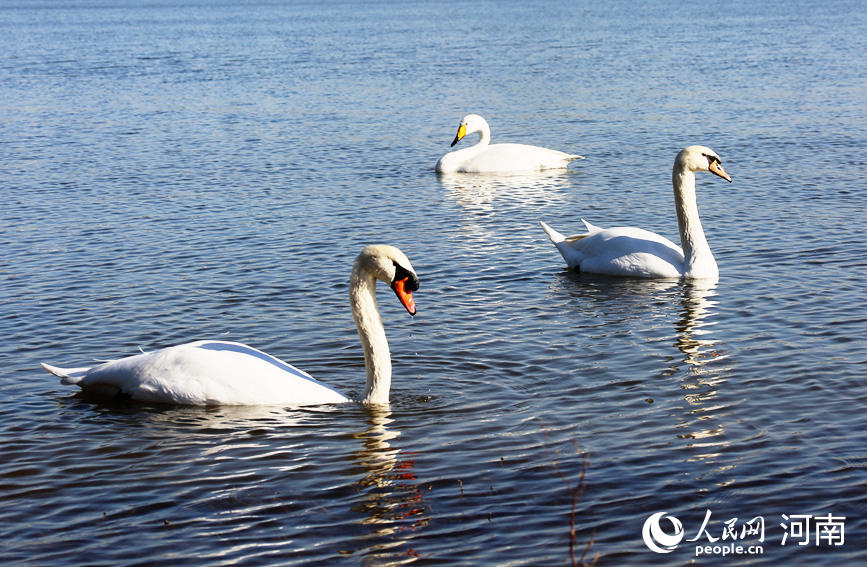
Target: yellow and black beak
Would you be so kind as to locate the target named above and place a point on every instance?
(462, 131)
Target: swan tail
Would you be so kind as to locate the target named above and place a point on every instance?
(574, 157)
(564, 244)
(555, 236)
(67, 376)
(591, 227)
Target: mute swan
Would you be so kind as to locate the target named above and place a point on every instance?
(629, 251)
(228, 373)
(486, 158)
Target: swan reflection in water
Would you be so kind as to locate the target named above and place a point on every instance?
(478, 195)
(702, 355)
(477, 192)
(697, 360)
(693, 336)
(385, 500)
(390, 498)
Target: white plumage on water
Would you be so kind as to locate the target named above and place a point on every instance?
(484, 157)
(227, 373)
(630, 251)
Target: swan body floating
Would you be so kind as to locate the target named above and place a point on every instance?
(629, 251)
(206, 373)
(484, 157)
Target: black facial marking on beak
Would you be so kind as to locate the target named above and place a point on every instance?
(401, 273)
(714, 165)
(403, 284)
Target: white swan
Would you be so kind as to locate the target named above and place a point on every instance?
(486, 158)
(228, 373)
(629, 251)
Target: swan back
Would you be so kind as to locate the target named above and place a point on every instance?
(203, 373)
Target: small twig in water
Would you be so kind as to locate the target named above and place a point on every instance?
(576, 493)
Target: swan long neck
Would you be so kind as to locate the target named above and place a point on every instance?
(698, 258)
(484, 136)
(377, 358)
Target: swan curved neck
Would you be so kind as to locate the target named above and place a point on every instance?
(698, 258)
(377, 358)
(484, 136)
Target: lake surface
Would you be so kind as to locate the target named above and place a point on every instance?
(171, 173)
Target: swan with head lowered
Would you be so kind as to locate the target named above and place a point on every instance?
(484, 157)
(209, 372)
(629, 251)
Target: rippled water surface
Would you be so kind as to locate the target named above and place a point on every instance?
(171, 173)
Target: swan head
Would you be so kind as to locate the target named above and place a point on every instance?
(469, 124)
(701, 158)
(390, 265)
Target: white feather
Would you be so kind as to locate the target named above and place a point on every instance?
(630, 251)
(213, 372)
(484, 157)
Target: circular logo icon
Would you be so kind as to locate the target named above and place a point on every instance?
(656, 539)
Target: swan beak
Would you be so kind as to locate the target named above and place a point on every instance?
(462, 131)
(717, 169)
(403, 289)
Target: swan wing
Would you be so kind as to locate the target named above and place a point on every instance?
(629, 251)
(590, 227)
(453, 162)
(209, 373)
(619, 251)
(515, 157)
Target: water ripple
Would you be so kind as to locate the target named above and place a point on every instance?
(211, 172)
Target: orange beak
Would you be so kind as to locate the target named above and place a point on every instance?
(717, 169)
(404, 294)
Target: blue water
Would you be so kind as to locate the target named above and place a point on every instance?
(205, 170)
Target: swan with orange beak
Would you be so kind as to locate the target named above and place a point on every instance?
(213, 372)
